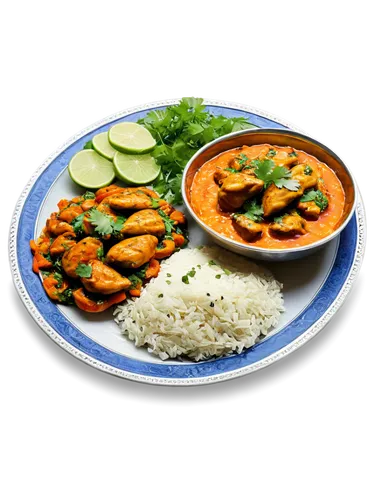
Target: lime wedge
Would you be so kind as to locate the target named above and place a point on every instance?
(136, 169)
(90, 170)
(129, 137)
(102, 146)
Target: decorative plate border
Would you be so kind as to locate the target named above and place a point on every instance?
(298, 342)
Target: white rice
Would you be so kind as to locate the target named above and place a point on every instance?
(208, 317)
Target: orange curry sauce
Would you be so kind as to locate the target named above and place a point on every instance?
(204, 196)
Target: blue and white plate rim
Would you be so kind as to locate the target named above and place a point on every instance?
(192, 377)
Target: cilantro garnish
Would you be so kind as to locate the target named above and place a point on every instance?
(279, 219)
(84, 270)
(180, 131)
(293, 154)
(185, 279)
(88, 145)
(100, 253)
(218, 276)
(168, 223)
(89, 195)
(105, 224)
(59, 278)
(135, 281)
(316, 196)
(154, 203)
(269, 173)
(66, 297)
(77, 224)
(271, 153)
(254, 211)
(231, 170)
(211, 263)
(308, 170)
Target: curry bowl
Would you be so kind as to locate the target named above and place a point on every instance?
(280, 138)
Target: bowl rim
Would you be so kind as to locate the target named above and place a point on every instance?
(260, 250)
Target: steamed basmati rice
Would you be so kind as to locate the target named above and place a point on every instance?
(226, 306)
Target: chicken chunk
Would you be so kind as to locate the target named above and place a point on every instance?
(309, 209)
(289, 225)
(136, 200)
(104, 279)
(236, 189)
(70, 213)
(144, 222)
(283, 158)
(84, 251)
(62, 243)
(57, 227)
(132, 252)
(275, 199)
(242, 160)
(246, 228)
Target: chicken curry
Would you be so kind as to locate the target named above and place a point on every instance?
(99, 247)
(268, 196)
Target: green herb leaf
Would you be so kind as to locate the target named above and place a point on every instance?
(269, 173)
(100, 253)
(77, 224)
(101, 221)
(66, 297)
(180, 131)
(293, 154)
(316, 196)
(59, 278)
(84, 270)
(135, 280)
(211, 263)
(231, 170)
(218, 276)
(88, 145)
(254, 210)
(271, 153)
(89, 195)
(279, 219)
(185, 279)
(308, 170)
(154, 203)
(168, 223)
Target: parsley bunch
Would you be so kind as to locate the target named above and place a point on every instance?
(180, 131)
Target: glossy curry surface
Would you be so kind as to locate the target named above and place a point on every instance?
(205, 193)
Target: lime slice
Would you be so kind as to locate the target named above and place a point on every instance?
(102, 146)
(90, 170)
(129, 137)
(136, 169)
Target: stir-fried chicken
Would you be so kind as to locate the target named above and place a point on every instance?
(309, 209)
(136, 200)
(81, 253)
(144, 222)
(132, 252)
(104, 279)
(62, 243)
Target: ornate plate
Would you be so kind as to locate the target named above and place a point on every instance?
(314, 288)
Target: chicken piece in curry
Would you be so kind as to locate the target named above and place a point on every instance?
(101, 248)
(268, 196)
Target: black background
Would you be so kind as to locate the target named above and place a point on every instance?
(36, 378)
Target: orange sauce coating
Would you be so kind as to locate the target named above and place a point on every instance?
(204, 194)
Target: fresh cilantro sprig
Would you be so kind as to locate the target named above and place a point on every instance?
(168, 223)
(253, 210)
(180, 131)
(84, 270)
(316, 196)
(269, 173)
(105, 224)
